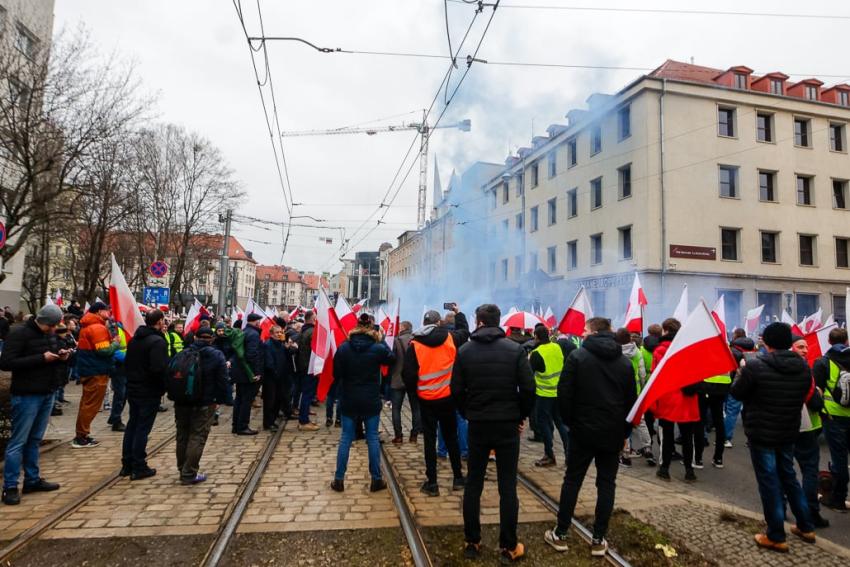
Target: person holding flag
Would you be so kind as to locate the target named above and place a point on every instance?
(305, 383)
(248, 383)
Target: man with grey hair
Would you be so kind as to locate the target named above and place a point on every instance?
(427, 371)
(31, 353)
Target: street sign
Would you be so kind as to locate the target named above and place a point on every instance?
(158, 269)
(158, 295)
(2, 235)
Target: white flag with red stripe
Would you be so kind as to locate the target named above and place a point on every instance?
(58, 297)
(549, 318)
(86, 307)
(323, 344)
(786, 318)
(193, 318)
(681, 311)
(719, 314)
(357, 306)
(633, 320)
(813, 322)
(579, 311)
(751, 323)
(345, 314)
(389, 322)
(698, 351)
(125, 309)
(818, 342)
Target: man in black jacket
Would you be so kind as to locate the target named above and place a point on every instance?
(595, 394)
(248, 386)
(427, 371)
(493, 387)
(146, 364)
(774, 386)
(194, 419)
(305, 383)
(31, 353)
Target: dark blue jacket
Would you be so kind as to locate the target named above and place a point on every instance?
(253, 356)
(213, 373)
(279, 363)
(357, 372)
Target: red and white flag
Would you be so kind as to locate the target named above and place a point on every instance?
(751, 323)
(390, 322)
(579, 311)
(345, 314)
(633, 320)
(549, 318)
(357, 306)
(266, 323)
(829, 320)
(58, 297)
(786, 318)
(48, 301)
(818, 342)
(125, 309)
(193, 318)
(681, 311)
(813, 322)
(295, 313)
(698, 351)
(86, 307)
(719, 314)
(327, 336)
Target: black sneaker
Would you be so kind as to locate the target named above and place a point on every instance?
(676, 456)
(819, 521)
(472, 550)
(698, 464)
(118, 426)
(11, 496)
(125, 471)
(458, 483)
(41, 486)
(690, 476)
(717, 463)
(337, 485)
(329, 422)
(625, 462)
(663, 473)
(337, 423)
(430, 488)
(143, 474)
(83, 443)
(56, 411)
(377, 485)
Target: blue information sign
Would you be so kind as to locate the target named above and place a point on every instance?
(159, 295)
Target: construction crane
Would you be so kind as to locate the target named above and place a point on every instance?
(424, 134)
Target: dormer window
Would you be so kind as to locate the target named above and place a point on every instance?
(776, 87)
(843, 98)
(740, 81)
(811, 92)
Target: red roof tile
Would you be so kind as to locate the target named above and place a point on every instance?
(278, 274)
(686, 72)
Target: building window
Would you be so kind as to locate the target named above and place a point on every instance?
(767, 186)
(836, 137)
(572, 152)
(552, 206)
(839, 309)
(552, 161)
(596, 249)
(505, 226)
(532, 262)
(624, 181)
(776, 86)
(772, 301)
(624, 122)
(728, 181)
(811, 92)
(729, 243)
(505, 270)
(801, 132)
(842, 260)
(533, 227)
(552, 259)
(732, 298)
(764, 127)
(26, 42)
(596, 140)
(808, 247)
(572, 254)
(804, 190)
(843, 98)
(596, 193)
(572, 202)
(19, 93)
(519, 184)
(769, 247)
(839, 194)
(807, 303)
(519, 221)
(740, 81)
(535, 178)
(494, 199)
(518, 267)
(625, 243)
(506, 193)
(726, 121)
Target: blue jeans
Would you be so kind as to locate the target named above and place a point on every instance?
(372, 442)
(774, 470)
(134, 449)
(462, 438)
(119, 396)
(30, 415)
(837, 432)
(807, 453)
(332, 401)
(733, 408)
(307, 390)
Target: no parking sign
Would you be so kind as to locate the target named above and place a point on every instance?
(158, 269)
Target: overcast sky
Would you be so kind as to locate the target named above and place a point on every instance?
(193, 55)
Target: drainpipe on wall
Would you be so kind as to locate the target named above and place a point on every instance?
(661, 180)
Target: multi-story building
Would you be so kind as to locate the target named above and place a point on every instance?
(733, 183)
(279, 285)
(26, 28)
(405, 260)
(364, 282)
(312, 282)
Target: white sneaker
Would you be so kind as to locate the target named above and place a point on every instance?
(598, 548)
(558, 542)
(727, 444)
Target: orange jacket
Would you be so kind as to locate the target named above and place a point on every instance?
(435, 368)
(95, 347)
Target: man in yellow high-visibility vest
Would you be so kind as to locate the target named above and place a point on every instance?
(547, 362)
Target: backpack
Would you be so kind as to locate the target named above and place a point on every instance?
(184, 381)
(841, 390)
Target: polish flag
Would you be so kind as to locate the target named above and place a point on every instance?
(818, 342)
(358, 306)
(48, 301)
(346, 315)
(634, 310)
(389, 323)
(326, 336)
(829, 321)
(698, 351)
(193, 318)
(58, 297)
(86, 307)
(266, 323)
(812, 322)
(681, 311)
(549, 317)
(123, 303)
(719, 314)
(295, 312)
(751, 323)
(786, 318)
(577, 314)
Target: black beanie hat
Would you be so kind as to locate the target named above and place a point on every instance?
(777, 336)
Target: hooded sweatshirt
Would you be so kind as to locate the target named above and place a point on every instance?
(839, 354)
(431, 336)
(596, 392)
(357, 372)
(95, 348)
